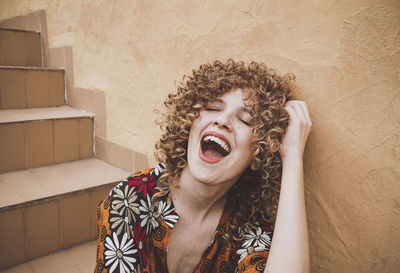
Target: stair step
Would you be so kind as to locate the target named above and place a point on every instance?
(30, 87)
(43, 136)
(38, 183)
(20, 47)
(62, 112)
(77, 259)
(46, 209)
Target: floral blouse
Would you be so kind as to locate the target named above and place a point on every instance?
(133, 234)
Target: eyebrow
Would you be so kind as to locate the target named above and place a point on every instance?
(220, 101)
(246, 109)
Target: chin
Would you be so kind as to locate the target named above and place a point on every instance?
(203, 174)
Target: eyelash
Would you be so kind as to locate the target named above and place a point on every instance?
(245, 122)
(212, 109)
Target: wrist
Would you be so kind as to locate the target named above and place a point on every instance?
(292, 160)
(292, 171)
(292, 156)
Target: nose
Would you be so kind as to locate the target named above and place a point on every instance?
(222, 121)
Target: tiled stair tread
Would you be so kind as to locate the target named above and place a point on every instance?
(80, 258)
(33, 184)
(31, 68)
(19, 115)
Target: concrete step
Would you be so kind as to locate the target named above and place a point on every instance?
(46, 209)
(77, 259)
(20, 47)
(43, 136)
(29, 87)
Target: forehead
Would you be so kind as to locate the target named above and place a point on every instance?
(245, 95)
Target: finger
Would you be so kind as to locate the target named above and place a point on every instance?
(296, 106)
(291, 112)
(307, 118)
(302, 110)
(306, 112)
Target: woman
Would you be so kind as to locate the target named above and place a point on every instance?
(232, 149)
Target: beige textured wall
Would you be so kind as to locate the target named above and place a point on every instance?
(345, 53)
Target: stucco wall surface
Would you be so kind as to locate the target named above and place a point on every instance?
(345, 54)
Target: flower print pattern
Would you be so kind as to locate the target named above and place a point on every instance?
(124, 202)
(144, 184)
(116, 187)
(258, 238)
(244, 252)
(167, 213)
(133, 218)
(254, 241)
(148, 216)
(158, 169)
(119, 253)
(140, 239)
(134, 229)
(121, 223)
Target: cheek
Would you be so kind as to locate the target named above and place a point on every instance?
(249, 146)
(199, 124)
(246, 137)
(195, 132)
(198, 121)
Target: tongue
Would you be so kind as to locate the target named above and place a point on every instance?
(211, 153)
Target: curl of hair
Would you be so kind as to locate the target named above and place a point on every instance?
(257, 192)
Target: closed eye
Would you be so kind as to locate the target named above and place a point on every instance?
(244, 117)
(245, 122)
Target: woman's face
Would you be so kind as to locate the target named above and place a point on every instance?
(220, 140)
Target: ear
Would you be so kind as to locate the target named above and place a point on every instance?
(254, 165)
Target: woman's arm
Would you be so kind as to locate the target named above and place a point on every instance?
(289, 250)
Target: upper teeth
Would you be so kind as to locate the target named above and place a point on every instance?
(219, 141)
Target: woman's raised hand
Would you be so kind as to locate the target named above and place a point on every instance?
(295, 138)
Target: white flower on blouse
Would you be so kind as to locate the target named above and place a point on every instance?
(148, 216)
(159, 168)
(243, 252)
(117, 187)
(124, 202)
(258, 239)
(119, 253)
(165, 212)
(254, 241)
(120, 223)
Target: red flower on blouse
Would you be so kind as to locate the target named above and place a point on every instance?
(144, 183)
(140, 240)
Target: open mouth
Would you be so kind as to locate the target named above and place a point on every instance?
(214, 148)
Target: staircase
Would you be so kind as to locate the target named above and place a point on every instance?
(50, 180)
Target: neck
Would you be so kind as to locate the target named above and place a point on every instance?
(192, 197)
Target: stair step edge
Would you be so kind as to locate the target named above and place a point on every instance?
(31, 68)
(45, 113)
(19, 30)
(73, 178)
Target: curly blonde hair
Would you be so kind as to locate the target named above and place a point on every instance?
(257, 191)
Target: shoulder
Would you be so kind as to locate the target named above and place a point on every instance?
(143, 183)
(133, 195)
(126, 220)
(130, 201)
